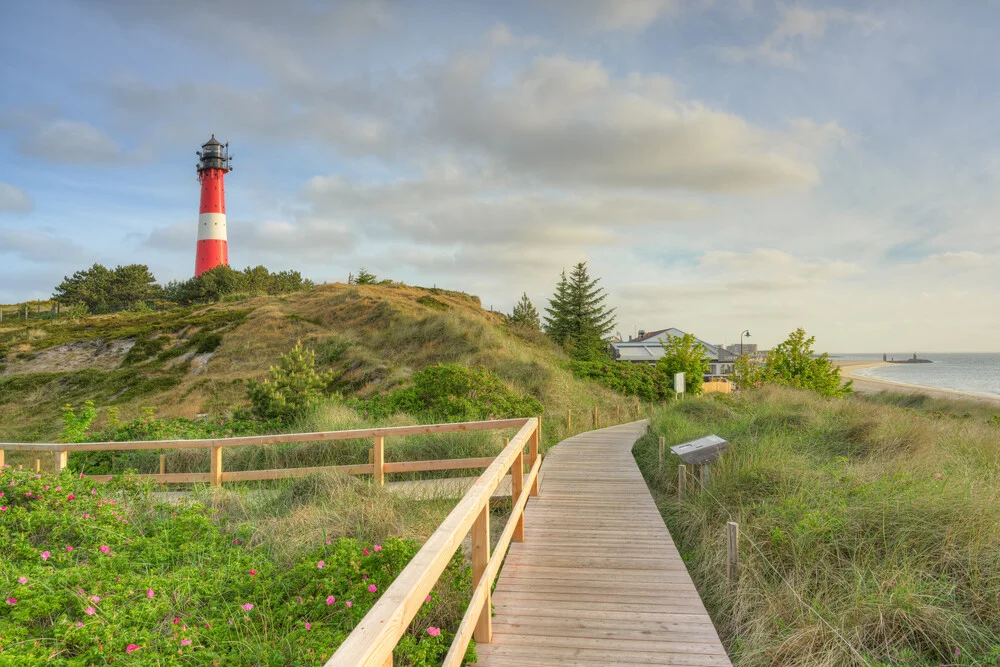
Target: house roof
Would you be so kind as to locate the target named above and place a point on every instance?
(649, 347)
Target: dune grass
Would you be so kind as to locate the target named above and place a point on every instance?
(870, 533)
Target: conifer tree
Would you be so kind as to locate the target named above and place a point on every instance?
(577, 317)
(525, 314)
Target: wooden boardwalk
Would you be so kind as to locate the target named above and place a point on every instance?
(597, 580)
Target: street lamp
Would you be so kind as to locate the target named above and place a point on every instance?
(745, 332)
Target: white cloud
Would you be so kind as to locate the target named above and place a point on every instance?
(773, 268)
(615, 15)
(70, 142)
(955, 260)
(42, 247)
(14, 200)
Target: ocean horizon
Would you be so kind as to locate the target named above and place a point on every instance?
(975, 373)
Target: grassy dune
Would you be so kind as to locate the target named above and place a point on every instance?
(885, 520)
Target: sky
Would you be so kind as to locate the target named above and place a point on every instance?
(720, 164)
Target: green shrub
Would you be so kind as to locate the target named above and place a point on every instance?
(77, 426)
(684, 354)
(648, 382)
(293, 387)
(453, 393)
(95, 574)
(794, 364)
(204, 342)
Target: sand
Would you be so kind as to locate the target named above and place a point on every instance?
(864, 384)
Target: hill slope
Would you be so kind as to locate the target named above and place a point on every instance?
(191, 361)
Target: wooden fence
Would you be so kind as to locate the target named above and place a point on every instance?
(373, 640)
(217, 475)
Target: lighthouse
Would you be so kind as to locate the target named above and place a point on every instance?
(214, 162)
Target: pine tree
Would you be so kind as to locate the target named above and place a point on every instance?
(577, 317)
(524, 314)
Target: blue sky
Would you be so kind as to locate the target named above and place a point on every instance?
(722, 164)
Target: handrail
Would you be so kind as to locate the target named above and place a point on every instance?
(377, 467)
(373, 640)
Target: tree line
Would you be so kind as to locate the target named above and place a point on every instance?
(99, 289)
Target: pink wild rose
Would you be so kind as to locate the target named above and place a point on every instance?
(12, 601)
(46, 555)
(309, 625)
(149, 593)
(321, 564)
(105, 548)
(89, 611)
(365, 552)
(433, 632)
(253, 573)
(372, 588)
(330, 600)
(131, 647)
(349, 604)
(71, 497)
(22, 580)
(185, 642)
(247, 606)
(378, 547)
(69, 548)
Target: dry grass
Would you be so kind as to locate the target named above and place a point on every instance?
(885, 521)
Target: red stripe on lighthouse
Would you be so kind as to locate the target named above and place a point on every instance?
(213, 247)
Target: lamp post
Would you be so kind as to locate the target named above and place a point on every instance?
(745, 332)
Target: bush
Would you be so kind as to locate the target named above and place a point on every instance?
(453, 393)
(223, 281)
(793, 363)
(649, 383)
(684, 354)
(96, 574)
(293, 388)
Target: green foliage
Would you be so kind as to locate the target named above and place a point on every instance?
(103, 290)
(577, 318)
(432, 303)
(90, 571)
(524, 314)
(75, 425)
(684, 354)
(452, 393)
(144, 348)
(293, 387)
(364, 277)
(793, 363)
(883, 520)
(221, 282)
(648, 382)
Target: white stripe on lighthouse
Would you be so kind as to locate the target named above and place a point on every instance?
(212, 227)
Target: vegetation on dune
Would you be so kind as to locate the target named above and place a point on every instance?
(870, 534)
(105, 574)
(650, 383)
(577, 317)
(794, 363)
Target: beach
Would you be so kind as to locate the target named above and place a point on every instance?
(865, 384)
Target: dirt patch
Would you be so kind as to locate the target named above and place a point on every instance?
(96, 354)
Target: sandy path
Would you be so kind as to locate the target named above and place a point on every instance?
(867, 384)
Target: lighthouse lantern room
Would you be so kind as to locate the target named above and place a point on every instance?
(214, 162)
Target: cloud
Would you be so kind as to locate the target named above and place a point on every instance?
(500, 36)
(797, 26)
(773, 269)
(69, 142)
(14, 200)
(40, 247)
(955, 260)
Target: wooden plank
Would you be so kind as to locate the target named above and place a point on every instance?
(215, 461)
(598, 580)
(357, 434)
(378, 460)
(285, 473)
(516, 487)
(480, 559)
(374, 638)
(61, 458)
(444, 464)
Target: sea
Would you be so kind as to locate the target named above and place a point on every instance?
(972, 373)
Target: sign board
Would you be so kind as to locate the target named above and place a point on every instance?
(702, 450)
(679, 382)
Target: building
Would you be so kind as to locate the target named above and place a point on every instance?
(647, 348)
(748, 348)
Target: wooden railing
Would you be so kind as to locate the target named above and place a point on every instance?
(216, 475)
(373, 640)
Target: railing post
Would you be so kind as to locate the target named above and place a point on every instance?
(480, 560)
(596, 420)
(516, 487)
(533, 452)
(215, 459)
(733, 551)
(38, 465)
(706, 474)
(618, 413)
(682, 480)
(1, 458)
(61, 458)
(163, 464)
(379, 460)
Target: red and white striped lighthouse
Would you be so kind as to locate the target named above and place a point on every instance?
(213, 165)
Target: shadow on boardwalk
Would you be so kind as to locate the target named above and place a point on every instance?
(597, 580)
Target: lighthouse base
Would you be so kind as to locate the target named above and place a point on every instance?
(210, 254)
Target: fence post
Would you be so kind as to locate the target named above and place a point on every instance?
(682, 480)
(533, 452)
(379, 460)
(1, 458)
(569, 418)
(596, 420)
(163, 464)
(706, 475)
(663, 446)
(480, 560)
(733, 551)
(38, 465)
(61, 458)
(618, 413)
(516, 487)
(636, 407)
(215, 459)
